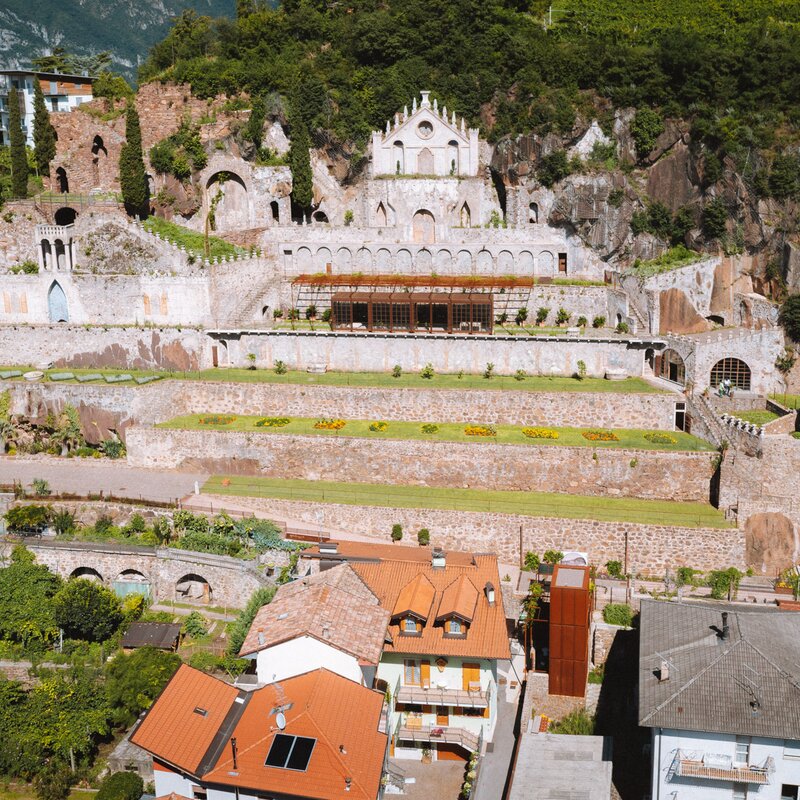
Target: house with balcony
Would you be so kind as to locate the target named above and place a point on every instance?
(445, 645)
(315, 736)
(719, 688)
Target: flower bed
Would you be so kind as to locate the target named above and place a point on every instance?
(272, 422)
(540, 433)
(660, 438)
(216, 419)
(330, 424)
(429, 427)
(600, 436)
(480, 430)
(379, 427)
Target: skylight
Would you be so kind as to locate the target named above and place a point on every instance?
(290, 752)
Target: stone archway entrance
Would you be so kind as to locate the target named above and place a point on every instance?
(424, 227)
(57, 304)
(227, 202)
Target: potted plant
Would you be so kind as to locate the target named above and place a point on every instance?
(426, 755)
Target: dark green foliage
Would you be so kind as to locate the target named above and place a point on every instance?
(715, 215)
(614, 569)
(640, 222)
(724, 583)
(44, 135)
(87, 610)
(63, 521)
(577, 723)
(180, 154)
(195, 625)
(27, 519)
(397, 532)
(686, 576)
(19, 157)
(553, 168)
(254, 129)
(132, 175)
(134, 681)
(111, 86)
(618, 614)
(112, 448)
(784, 176)
(424, 537)
(646, 127)
(300, 163)
(682, 224)
(120, 786)
(53, 782)
(789, 317)
(659, 219)
(237, 630)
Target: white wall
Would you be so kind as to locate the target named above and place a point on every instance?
(168, 782)
(667, 742)
(303, 655)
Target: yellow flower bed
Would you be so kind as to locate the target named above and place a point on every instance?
(540, 433)
(660, 438)
(480, 430)
(379, 427)
(330, 424)
(272, 422)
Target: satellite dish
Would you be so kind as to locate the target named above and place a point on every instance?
(280, 719)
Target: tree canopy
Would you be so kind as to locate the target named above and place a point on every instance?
(86, 610)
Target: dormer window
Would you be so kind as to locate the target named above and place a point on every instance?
(409, 625)
(454, 626)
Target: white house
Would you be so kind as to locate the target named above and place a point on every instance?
(719, 687)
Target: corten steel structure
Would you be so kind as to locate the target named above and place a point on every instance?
(431, 312)
(570, 616)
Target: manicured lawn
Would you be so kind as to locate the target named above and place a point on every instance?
(534, 504)
(787, 400)
(447, 432)
(756, 416)
(407, 380)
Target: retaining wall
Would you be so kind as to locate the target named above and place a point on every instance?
(608, 472)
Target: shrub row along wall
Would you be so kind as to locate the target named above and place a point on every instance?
(651, 548)
(159, 402)
(607, 472)
(362, 352)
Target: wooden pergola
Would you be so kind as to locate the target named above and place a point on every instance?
(420, 312)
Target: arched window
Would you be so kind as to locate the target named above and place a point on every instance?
(57, 304)
(533, 213)
(733, 370)
(61, 180)
(424, 227)
(65, 216)
(380, 215)
(98, 146)
(425, 162)
(320, 216)
(466, 216)
(276, 211)
(452, 158)
(399, 158)
(669, 366)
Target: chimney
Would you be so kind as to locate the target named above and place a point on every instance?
(326, 630)
(663, 672)
(438, 559)
(347, 782)
(329, 548)
(726, 631)
(233, 750)
(490, 594)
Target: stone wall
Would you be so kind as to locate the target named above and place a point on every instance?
(480, 465)
(650, 548)
(375, 352)
(133, 348)
(161, 401)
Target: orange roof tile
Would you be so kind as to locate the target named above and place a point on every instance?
(340, 714)
(416, 598)
(335, 606)
(175, 727)
(459, 598)
(486, 637)
(357, 551)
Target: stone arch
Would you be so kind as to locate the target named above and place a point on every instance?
(47, 254)
(465, 216)
(533, 213)
(324, 258)
(57, 303)
(98, 146)
(194, 587)
(275, 210)
(60, 255)
(484, 262)
(264, 310)
(425, 162)
(383, 260)
(505, 263)
(87, 573)
(464, 261)
(424, 227)
(453, 167)
(380, 215)
(343, 260)
(444, 261)
(399, 158)
(546, 263)
(304, 260)
(670, 366)
(424, 260)
(65, 216)
(404, 261)
(62, 182)
(525, 263)
(227, 192)
(364, 260)
(734, 370)
(769, 542)
(133, 576)
(320, 216)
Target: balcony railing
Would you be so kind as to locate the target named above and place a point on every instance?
(432, 734)
(436, 696)
(714, 767)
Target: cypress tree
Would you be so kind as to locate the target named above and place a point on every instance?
(44, 135)
(19, 158)
(300, 164)
(132, 175)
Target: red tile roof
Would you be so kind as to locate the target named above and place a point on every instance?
(459, 599)
(175, 727)
(416, 597)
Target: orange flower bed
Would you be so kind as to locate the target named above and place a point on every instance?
(600, 436)
(330, 424)
(216, 419)
(540, 433)
(480, 430)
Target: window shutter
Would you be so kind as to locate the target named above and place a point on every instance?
(425, 673)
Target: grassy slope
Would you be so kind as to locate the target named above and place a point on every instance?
(449, 432)
(756, 416)
(192, 240)
(535, 504)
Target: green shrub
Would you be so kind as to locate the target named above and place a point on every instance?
(582, 322)
(27, 518)
(103, 525)
(724, 582)
(553, 557)
(429, 427)
(577, 723)
(532, 561)
(112, 448)
(541, 314)
(646, 127)
(520, 375)
(397, 532)
(618, 614)
(715, 215)
(686, 576)
(488, 372)
(63, 522)
(789, 317)
(280, 368)
(553, 168)
(204, 661)
(622, 327)
(424, 537)
(41, 488)
(136, 524)
(195, 625)
(562, 316)
(598, 322)
(614, 568)
(237, 630)
(427, 371)
(397, 371)
(120, 786)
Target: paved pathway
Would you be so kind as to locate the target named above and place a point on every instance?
(494, 769)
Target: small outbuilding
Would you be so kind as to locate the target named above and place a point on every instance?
(161, 635)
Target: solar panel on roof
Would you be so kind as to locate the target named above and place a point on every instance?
(290, 752)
